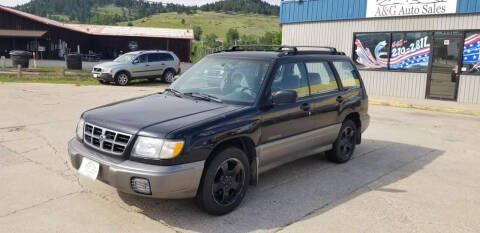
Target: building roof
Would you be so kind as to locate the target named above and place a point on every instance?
(21, 33)
(103, 30)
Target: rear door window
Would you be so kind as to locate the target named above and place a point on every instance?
(347, 73)
(166, 57)
(154, 57)
(321, 77)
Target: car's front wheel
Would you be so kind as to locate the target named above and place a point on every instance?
(224, 182)
(344, 145)
(122, 79)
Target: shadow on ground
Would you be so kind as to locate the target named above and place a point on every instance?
(296, 190)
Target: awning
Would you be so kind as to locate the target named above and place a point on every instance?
(21, 33)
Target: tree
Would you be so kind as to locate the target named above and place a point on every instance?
(232, 36)
(130, 24)
(211, 40)
(197, 32)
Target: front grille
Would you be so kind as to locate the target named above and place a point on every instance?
(106, 140)
(97, 69)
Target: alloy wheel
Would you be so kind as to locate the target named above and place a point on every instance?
(229, 182)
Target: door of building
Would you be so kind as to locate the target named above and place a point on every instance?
(445, 66)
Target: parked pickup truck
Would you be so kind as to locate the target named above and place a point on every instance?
(209, 137)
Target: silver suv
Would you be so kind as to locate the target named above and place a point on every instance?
(139, 65)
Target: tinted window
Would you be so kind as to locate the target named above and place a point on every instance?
(371, 50)
(347, 73)
(142, 58)
(166, 57)
(471, 53)
(410, 51)
(291, 77)
(154, 57)
(321, 77)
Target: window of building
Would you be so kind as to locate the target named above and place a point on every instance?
(471, 53)
(371, 50)
(410, 51)
(321, 77)
(291, 76)
(347, 73)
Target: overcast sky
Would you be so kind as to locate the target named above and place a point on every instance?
(186, 2)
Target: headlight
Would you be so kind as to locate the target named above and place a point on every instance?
(80, 126)
(155, 148)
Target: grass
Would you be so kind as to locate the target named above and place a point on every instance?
(213, 22)
(49, 78)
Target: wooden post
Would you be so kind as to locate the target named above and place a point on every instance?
(19, 70)
(4, 65)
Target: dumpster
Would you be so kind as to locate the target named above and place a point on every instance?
(20, 57)
(74, 61)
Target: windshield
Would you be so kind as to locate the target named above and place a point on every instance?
(125, 58)
(230, 80)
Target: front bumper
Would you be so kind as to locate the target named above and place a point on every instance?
(103, 76)
(166, 182)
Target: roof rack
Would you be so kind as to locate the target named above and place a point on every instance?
(289, 50)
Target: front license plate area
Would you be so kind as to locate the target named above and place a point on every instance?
(89, 168)
(95, 75)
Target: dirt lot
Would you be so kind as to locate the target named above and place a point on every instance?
(417, 171)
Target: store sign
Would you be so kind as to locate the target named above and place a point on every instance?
(394, 8)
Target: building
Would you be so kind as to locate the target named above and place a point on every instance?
(52, 39)
(403, 48)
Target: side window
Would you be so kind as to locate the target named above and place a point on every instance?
(142, 58)
(154, 57)
(348, 74)
(321, 77)
(291, 77)
(166, 57)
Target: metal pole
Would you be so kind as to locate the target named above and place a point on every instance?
(19, 70)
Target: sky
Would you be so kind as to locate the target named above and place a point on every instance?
(186, 2)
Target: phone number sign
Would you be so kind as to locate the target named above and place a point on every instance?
(394, 8)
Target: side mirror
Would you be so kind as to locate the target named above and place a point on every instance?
(285, 97)
(136, 61)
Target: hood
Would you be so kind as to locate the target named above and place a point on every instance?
(130, 116)
(109, 65)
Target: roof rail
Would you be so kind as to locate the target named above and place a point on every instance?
(289, 50)
(238, 47)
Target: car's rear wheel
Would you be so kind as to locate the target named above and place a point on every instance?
(224, 182)
(344, 145)
(169, 76)
(122, 79)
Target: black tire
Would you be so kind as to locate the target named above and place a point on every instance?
(122, 78)
(215, 182)
(344, 145)
(168, 76)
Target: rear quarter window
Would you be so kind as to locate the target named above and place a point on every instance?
(347, 73)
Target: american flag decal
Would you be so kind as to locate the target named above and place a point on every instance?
(471, 51)
(417, 58)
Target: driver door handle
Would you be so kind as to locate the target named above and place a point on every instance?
(340, 99)
(147, 65)
(305, 107)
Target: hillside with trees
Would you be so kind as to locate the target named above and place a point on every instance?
(111, 12)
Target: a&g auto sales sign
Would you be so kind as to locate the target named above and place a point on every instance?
(393, 8)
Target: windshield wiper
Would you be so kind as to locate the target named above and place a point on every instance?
(175, 92)
(206, 97)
